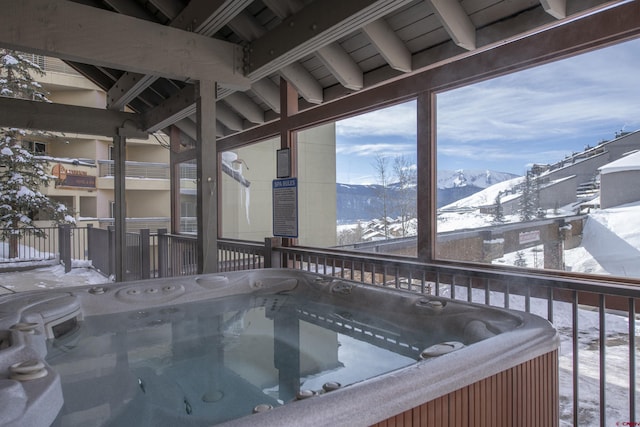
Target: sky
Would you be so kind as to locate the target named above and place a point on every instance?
(506, 124)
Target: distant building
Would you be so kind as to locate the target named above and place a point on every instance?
(618, 181)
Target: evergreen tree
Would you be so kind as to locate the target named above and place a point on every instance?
(527, 199)
(22, 173)
(520, 260)
(498, 213)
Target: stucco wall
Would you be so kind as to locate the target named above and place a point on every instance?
(618, 188)
(316, 190)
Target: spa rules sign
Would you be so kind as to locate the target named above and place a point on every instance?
(285, 207)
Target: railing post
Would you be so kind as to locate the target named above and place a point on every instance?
(163, 252)
(89, 249)
(112, 250)
(272, 259)
(145, 254)
(64, 246)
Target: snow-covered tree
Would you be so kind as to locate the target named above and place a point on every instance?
(527, 199)
(498, 213)
(22, 173)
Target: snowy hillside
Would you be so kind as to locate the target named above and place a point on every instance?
(361, 202)
(487, 196)
(610, 241)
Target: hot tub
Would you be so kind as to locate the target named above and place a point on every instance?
(269, 348)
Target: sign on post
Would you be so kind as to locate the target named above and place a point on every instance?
(285, 207)
(528, 237)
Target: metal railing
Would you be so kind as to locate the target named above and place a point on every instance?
(135, 169)
(149, 253)
(49, 64)
(596, 320)
(46, 247)
(234, 255)
(177, 255)
(134, 225)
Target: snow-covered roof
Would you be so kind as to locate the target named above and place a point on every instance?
(627, 163)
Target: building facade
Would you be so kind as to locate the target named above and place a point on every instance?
(83, 165)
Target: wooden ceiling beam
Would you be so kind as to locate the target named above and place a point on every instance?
(456, 21)
(85, 34)
(555, 8)
(389, 45)
(306, 85)
(310, 29)
(341, 65)
(24, 114)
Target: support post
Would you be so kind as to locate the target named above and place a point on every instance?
(145, 258)
(207, 177)
(64, 243)
(163, 253)
(272, 259)
(288, 138)
(89, 250)
(174, 138)
(427, 179)
(119, 188)
(112, 250)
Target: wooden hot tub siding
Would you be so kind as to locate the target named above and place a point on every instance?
(524, 396)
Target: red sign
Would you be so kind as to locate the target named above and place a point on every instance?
(72, 178)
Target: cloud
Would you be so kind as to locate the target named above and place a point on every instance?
(555, 100)
(500, 153)
(383, 149)
(398, 120)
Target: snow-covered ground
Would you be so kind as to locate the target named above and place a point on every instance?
(617, 357)
(51, 276)
(610, 246)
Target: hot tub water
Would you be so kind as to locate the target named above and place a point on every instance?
(208, 362)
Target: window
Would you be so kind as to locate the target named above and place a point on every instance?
(247, 175)
(376, 175)
(37, 148)
(357, 188)
(539, 168)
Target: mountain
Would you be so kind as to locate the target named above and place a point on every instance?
(461, 183)
(362, 202)
(481, 178)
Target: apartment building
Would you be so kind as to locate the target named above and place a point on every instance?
(83, 164)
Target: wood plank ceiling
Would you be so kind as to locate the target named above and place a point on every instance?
(326, 49)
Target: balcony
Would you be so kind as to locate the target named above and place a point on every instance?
(139, 175)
